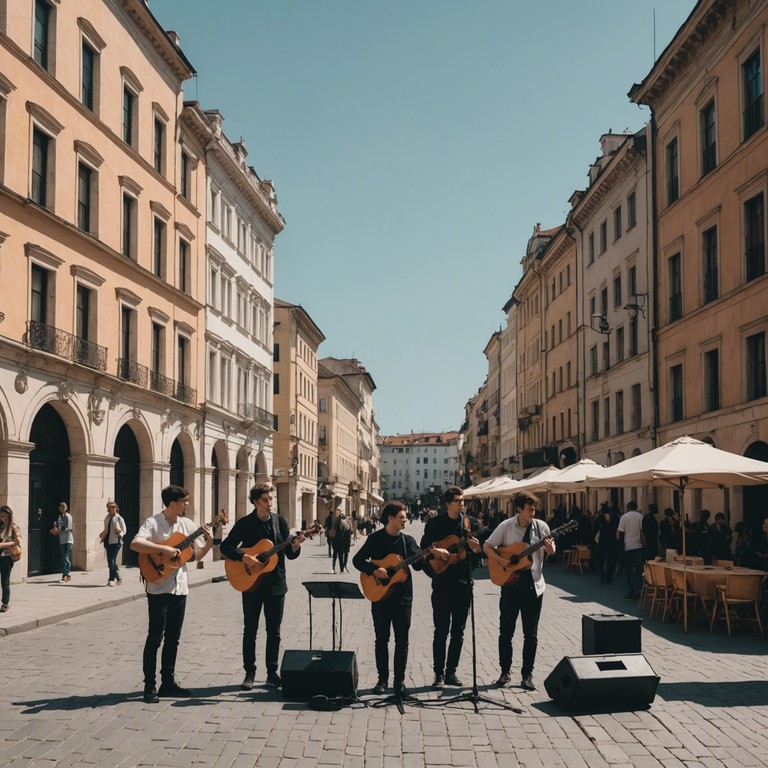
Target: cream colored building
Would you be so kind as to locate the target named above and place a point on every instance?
(508, 432)
(707, 97)
(242, 223)
(297, 340)
(102, 194)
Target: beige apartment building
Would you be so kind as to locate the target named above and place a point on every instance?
(508, 432)
(710, 143)
(296, 342)
(102, 192)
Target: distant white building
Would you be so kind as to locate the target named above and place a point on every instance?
(417, 467)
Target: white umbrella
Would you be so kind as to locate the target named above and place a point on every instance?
(482, 488)
(573, 477)
(537, 482)
(508, 487)
(683, 463)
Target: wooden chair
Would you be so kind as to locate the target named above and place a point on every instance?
(682, 592)
(740, 591)
(662, 581)
(582, 560)
(649, 586)
(568, 557)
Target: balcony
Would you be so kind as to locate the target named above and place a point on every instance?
(251, 412)
(130, 370)
(58, 342)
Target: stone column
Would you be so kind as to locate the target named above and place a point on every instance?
(14, 483)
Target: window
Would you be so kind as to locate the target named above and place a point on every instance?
(85, 197)
(709, 255)
(617, 223)
(568, 373)
(39, 295)
(129, 116)
(606, 355)
(276, 353)
(323, 405)
(631, 210)
(620, 344)
(41, 157)
(606, 417)
(184, 266)
(632, 351)
(276, 384)
(617, 291)
(619, 412)
(595, 419)
(754, 236)
(158, 145)
(752, 84)
(184, 180)
(632, 281)
(604, 301)
(675, 288)
(88, 77)
(82, 323)
(43, 34)
(708, 138)
(158, 246)
(591, 248)
(321, 437)
(636, 412)
(593, 360)
(128, 245)
(712, 380)
(182, 375)
(676, 392)
(156, 351)
(603, 236)
(673, 177)
(125, 364)
(755, 373)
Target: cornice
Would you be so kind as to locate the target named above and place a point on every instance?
(704, 20)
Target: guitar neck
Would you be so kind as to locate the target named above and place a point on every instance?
(279, 547)
(552, 535)
(463, 540)
(192, 536)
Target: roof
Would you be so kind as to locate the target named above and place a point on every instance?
(420, 438)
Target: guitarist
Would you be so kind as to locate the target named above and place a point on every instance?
(526, 594)
(451, 590)
(166, 600)
(270, 594)
(395, 611)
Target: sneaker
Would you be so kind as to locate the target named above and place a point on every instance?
(451, 679)
(150, 695)
(247, 684)
(173, 691)
(3, 608)
(333, 570)
(380, 688)
(119, 582)
(67, 578)
(439, 681)
(527, 683)
(110, 583)
(274, 679)
(503, 680)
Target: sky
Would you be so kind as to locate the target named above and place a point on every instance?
(414, 146)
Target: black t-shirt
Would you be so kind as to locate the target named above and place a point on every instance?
(437, 529)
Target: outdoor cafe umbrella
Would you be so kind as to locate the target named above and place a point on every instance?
(482, 489)
(573, 477)
(532, 483)
(683, 463)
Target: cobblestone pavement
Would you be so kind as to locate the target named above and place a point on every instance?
(71, 686)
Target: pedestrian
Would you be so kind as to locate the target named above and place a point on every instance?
(271, 588)
(525, 597)
(451, 589)
(671, 536)
(631, 528)
(651, 532)
(393, 613)
(63, 529)
(342, 540)
(330, 532)
(742, 544)
(112, 539)
(167, 598)
(607, 545)
(10, 551)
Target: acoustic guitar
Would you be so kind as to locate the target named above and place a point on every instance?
(247, 578)
(518, 557)
(456, 551)
(376, 589)
(159, 566)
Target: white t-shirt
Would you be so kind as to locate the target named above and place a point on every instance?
(631, 525)
(157, 529)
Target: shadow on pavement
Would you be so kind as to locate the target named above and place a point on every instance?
(740, 693)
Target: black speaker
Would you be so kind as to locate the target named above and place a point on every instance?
(610, 633)
(602, 682)
(312, 673)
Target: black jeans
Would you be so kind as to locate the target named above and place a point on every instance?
(386, 614)
(340, 553)
(112, 552)
(450, 608)
(520, 599)
(607, 559)
(634, 560)
(6, 566)
(166, 618)
(273, 617)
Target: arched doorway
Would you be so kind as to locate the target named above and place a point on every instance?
(756, 496)
(215, 496)
(177, 464)
(48, 485)
(242, 484)
(260, 469)
(127, 487)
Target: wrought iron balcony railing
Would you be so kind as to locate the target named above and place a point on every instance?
(130, 370)
(63, 344)
(256, 414)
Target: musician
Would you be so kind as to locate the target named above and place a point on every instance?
(270, 594)
(167, 599)
(525, 596)
(451, 590)
(395, 611)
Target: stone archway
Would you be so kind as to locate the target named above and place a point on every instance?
(260, 468)
(128, 487)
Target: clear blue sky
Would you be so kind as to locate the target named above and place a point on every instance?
(414, 144)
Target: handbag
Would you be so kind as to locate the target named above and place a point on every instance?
(15, 552)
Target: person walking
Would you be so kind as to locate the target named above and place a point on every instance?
(63, 529)
(112, 539)
(342, 541)
(10, 550)
(631, 527)
(651, 532)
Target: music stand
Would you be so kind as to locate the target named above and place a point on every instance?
(335, 590)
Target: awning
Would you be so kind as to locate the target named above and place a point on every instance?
(375, 497)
